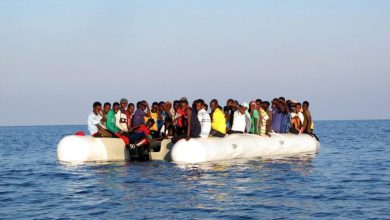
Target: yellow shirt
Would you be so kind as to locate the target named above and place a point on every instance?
(154, 116)
(219, 121)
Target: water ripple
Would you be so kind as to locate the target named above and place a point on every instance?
(349, 179)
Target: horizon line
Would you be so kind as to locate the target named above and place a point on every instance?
(48, 125)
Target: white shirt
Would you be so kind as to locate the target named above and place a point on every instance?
(121, 121)
(93, 120)
(205, 123)
(239, 121)
(300, 115)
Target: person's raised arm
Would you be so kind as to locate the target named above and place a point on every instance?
(240, 108)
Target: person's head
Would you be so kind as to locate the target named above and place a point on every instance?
(199, 104)
(245, 105)
(252, 106)
(150, 123)
(275, 103)
(258, 103)
(97, 107)
(144, 105)
(106, 107)
(168, 105)
(298, 107)
(161, 106)
(283, 106)
(115, 107)
(183, 104)
(282, 99)
(155, 107)
(206, 107)
(229, 101)
(130, 107)
(213, 104)
(176, 105)
(123, 102)
(265, 105)
(139, 105)
(305, 105)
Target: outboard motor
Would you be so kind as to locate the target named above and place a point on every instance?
(139, 151)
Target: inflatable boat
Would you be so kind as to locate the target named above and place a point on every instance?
(80, 149)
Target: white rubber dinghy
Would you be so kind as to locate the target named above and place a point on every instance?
(79, 149)
(234, 146)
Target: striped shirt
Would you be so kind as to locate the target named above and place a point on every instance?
(263, 121)
(205, 123)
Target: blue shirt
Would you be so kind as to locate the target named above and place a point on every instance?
(138, 118)
(277, 118)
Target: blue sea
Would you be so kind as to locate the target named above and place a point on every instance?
(348, 179)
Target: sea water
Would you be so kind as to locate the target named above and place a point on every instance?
(348, 179)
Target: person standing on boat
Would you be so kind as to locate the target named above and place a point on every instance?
(218, 124)
(204, 118)
(94, 126)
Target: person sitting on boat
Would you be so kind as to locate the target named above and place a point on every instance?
(276, 116)
(204, 118)
(263, 121)
(167, 130)
(106, 109)
(255, 119)
(298, 112)
(141, 134)
(129, 115)
(111, 120)
(226, 112)
(239, 121)
(94, 122)
(139, 114)
(193, 123)
(162, 114)
(121, 116)
(268, 127)
(248, 120)
(295, 121)
(154, 114)
(230, 116)
(286, 117)
(218, 120)
(307, 126)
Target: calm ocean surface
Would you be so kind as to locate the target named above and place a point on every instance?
(348, 179)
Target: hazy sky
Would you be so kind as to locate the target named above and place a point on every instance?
(57, 57)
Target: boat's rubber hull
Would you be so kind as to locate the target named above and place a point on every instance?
(89, 149)
(79, 149)
(242, 146)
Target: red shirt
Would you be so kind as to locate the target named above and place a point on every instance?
(143, 129)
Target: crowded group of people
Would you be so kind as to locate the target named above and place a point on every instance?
(140, 123)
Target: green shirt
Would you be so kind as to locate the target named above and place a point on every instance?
(111, 121)
(255, 121)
